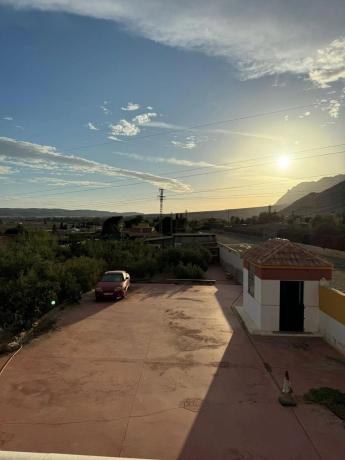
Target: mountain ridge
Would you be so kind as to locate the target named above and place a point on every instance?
(304, 188)
(331, 200)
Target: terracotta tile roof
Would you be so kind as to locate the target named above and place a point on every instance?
(279, 252)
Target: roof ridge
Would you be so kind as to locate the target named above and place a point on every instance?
(310, 253)
(274, 251)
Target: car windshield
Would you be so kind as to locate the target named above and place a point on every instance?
(112, 277)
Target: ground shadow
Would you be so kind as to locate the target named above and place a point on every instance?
(240, 417)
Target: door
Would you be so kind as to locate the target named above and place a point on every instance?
(291, 306)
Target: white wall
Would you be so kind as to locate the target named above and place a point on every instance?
(333, 331)
(264, 309)
(270, 301)
(232, 261)
(311, 306)
(250, 304)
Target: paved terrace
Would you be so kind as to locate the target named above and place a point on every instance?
(168, 373)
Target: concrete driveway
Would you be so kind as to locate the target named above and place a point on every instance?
(168, 373)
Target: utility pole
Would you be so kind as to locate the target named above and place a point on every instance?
(161, 197)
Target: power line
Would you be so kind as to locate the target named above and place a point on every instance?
(149, 198)
(192, 175)
(194, 127)
(177, 177)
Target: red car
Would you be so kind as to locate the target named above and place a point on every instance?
(113, 284)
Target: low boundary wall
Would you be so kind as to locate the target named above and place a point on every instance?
(230, 257)
(332, 317)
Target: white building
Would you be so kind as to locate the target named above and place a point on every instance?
(281, 287)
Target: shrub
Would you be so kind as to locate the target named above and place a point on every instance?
(25, 299)
(333, 399)
(85, 270)
(196, 255)
(189, 271)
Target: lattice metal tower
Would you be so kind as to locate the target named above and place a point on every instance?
(161, 197)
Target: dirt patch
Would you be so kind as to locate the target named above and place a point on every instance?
(193, 339)
(163, 367)
(192, 404)
(178, 314)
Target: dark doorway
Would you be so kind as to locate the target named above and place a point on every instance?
(291, 306)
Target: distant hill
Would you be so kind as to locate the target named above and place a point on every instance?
(43, 213)
(304, 188)
(330, 200)
(226, 213)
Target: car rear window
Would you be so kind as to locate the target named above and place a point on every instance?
(112, 277)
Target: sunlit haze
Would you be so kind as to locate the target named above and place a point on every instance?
(107, 103)
(283, 162)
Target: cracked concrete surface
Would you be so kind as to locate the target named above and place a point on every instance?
(167, 373)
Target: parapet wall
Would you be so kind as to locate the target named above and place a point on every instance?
(230, 258)
(332, 317)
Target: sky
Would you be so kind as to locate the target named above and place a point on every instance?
(223, 104)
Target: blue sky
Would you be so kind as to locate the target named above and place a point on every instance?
(97, 100)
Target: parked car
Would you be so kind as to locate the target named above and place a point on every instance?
(113, 284)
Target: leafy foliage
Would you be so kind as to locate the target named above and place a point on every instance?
(188, 271)
(35, 270)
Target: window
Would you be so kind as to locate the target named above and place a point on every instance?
(112, 277)
(251, 280)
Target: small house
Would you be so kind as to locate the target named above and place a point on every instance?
(281, 283)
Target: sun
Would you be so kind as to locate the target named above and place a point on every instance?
(283, 162)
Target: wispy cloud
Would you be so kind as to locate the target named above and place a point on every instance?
(123, 128)
(144, 118)
(304, 115)
(169, 160)
(65, 183)
(248, 134)
(334, 108)
(265, 38)
(92, 126)
(131, 106)
(105, 108)
(30, 155)
(8, 118)
(328, 64)
(5, 170)
(164, 125)
(188, 144)
(175, 127)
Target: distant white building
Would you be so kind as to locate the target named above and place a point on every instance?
(281, 287)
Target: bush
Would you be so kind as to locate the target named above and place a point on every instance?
(333, 399)
(189, 271)
(35, 270)
(25, 299)
(196, 255)
(85, 270)
(32, 275)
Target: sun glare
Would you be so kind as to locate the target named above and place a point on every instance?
(283, 162)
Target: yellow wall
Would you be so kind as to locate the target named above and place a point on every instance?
(332, 302)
